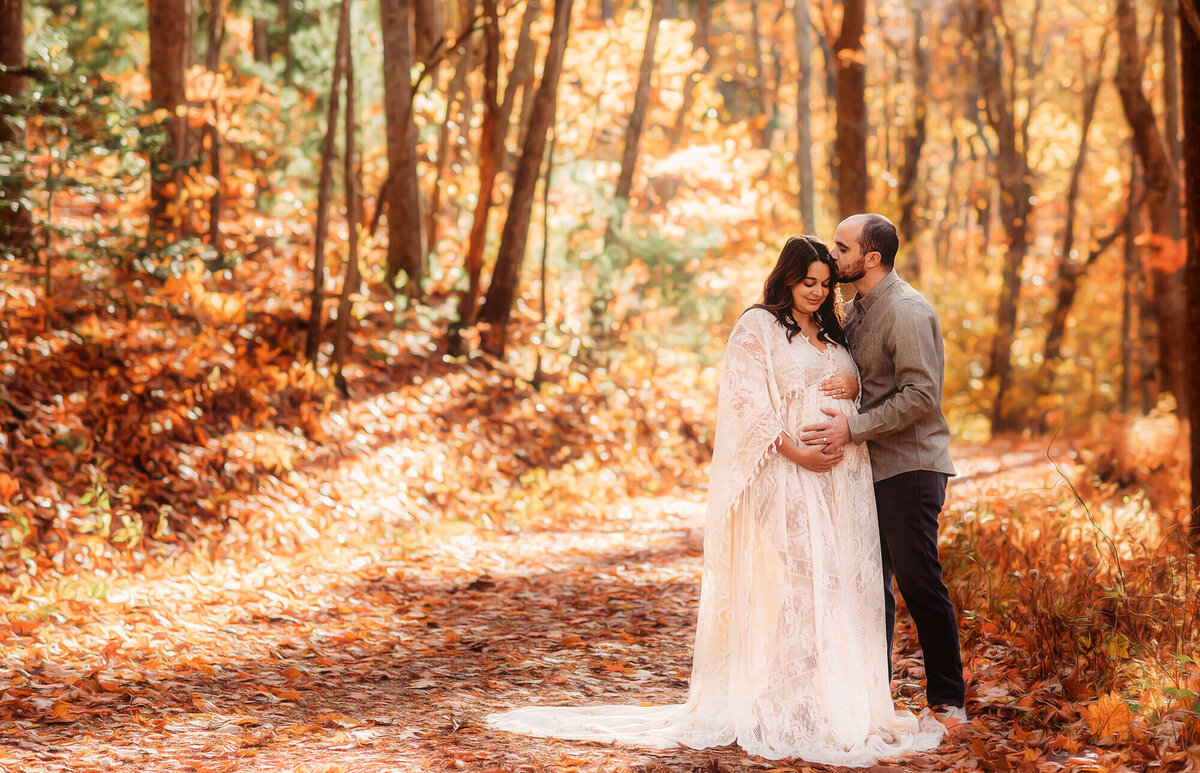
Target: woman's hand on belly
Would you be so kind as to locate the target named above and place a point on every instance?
(840, 387)
(817, 458)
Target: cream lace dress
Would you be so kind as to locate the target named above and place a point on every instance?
(790, 657)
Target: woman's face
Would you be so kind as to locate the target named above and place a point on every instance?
(811, 292)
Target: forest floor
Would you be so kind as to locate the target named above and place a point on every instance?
(382, 645)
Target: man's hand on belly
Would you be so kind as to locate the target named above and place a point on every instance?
(833, 434)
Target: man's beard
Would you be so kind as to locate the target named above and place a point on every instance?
(853, 273)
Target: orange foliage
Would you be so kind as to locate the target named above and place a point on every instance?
(209, 547)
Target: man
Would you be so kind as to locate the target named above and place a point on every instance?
(897, 343)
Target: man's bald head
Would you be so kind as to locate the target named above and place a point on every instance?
(877, 234)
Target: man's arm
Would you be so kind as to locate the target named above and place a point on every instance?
(915, 343)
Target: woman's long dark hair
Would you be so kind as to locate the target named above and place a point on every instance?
(791, 268)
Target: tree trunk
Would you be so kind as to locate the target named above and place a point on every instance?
(427, 29)
(1162, 202)
(1147, 356)
(601, 295)
(888, 112)
(1015, 193)
(454, 94)
(851, 110)
(216, 204)
(774, 117)
(216, 36)
(982, 189)
(260, 34)
(1070, 271)
(212, 61)
(699, 41)
(1189, 45)
(405, 253)
(170, 26)
(914, 139)
(825, 43)
(946, 222)
(503, 290)
(1131, 289)
(260, 40)
(285, 22)
(489, 151)
(637, 116)
(350, 285)
(1170, 52)
(16, 221)
(958, 191)
(804, 163)
(703, 22)
(493, 153)
(984, 210)
(520, 82)
(328, 155)
(527, 102)
(542, 306)
(759, 79)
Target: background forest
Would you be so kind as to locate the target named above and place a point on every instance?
(291, 279)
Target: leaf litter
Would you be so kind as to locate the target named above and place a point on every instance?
(380, 648)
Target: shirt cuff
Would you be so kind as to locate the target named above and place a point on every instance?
(857, 424)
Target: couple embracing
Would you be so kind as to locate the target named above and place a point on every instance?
(806, 529)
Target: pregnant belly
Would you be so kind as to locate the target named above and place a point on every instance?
(810, 409)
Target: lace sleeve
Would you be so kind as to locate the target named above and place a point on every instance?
(749, 429)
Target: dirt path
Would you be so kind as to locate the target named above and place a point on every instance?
(382, 646)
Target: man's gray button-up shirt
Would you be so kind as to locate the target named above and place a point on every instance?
(896, 341)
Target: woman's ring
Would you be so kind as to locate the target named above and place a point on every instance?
(825, 440)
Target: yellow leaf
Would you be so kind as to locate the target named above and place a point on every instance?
(1108, 716)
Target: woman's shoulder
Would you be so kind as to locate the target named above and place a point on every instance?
(758, 323)
(754, 329)
(757, 318)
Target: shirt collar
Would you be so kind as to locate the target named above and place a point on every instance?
(864, 302)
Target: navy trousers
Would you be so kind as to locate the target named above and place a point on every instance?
(909, 504)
